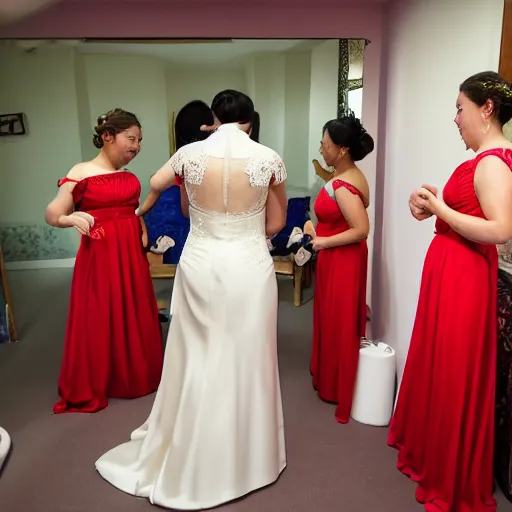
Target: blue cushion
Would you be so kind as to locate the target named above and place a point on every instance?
(165, 218)
(297, 216)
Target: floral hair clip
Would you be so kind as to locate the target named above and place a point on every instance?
(497, 87)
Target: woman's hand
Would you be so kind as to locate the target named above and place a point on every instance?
(416, 211)
(81, 221)
(319, 243)
(210, 128)
(423, 202)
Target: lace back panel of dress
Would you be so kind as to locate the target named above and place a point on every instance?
(236, 184)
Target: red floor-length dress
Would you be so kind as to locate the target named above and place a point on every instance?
(113, 346)
(339, 308)
(443, 425)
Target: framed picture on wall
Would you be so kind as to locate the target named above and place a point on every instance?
(8, 332)
(172, 134)
(12, 124)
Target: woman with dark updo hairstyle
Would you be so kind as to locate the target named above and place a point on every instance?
(443, 425)
(113, 346)
(340, 240)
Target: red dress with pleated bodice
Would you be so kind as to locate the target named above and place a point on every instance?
(113, 346)
(339, 319)
(443, 425)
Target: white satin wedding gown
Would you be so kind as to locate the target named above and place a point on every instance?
(215, 432)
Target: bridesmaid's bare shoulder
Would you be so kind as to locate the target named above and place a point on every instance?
(77, 172)
(357, 179)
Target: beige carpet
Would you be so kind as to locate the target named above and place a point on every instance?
(331, 467)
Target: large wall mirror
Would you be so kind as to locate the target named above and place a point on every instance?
(61, 87)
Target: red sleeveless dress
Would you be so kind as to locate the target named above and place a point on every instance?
(443, 425)
(340, 307)
(113, 346)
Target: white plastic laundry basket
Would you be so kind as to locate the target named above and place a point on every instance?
(5, 446)
(375, 384)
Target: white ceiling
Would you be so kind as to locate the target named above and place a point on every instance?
(195, 52)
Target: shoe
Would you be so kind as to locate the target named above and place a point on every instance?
(302, 257)
(163, 244)
(309, 229)
(295, 237)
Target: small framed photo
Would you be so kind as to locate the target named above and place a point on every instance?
(12, 124)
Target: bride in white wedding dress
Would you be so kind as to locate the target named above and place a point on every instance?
(215, 432)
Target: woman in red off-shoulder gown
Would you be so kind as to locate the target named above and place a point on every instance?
(113, 346)
(340, 306)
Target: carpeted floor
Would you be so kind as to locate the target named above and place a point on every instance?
(331, 467)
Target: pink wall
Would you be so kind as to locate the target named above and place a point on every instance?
(274, 19)
(428, 55)
(170, 18)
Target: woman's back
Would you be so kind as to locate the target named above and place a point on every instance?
(228, 174)
(227, 179)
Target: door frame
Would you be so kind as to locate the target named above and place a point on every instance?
(505, 67)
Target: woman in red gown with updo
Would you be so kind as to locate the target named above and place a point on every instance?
(113, 346)
(342, 264)
(443, 425)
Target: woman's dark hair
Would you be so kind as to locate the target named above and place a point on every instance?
(490, 86)
(231, 106)
(255, 127)
(114, 121)
(348, 132)
(188, 122)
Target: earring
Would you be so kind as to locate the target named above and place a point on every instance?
(487, 123)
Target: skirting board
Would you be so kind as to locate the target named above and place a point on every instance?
(40, 264)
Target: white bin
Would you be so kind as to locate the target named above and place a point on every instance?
(375, 384)
(5, 446)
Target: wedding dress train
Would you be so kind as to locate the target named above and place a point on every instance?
(215, 432)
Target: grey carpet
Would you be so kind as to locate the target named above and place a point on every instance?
(331, 467)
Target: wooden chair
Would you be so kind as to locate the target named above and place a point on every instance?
(301, 275)
(283, 266)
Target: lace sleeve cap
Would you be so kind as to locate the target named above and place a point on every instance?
(278, 168)
(177, 162)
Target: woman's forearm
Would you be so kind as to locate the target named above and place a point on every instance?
(272, 228)
(351, 236)
(149, 202)
(162, 180)
(59, 221)
(57, 217)
(473, 228)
